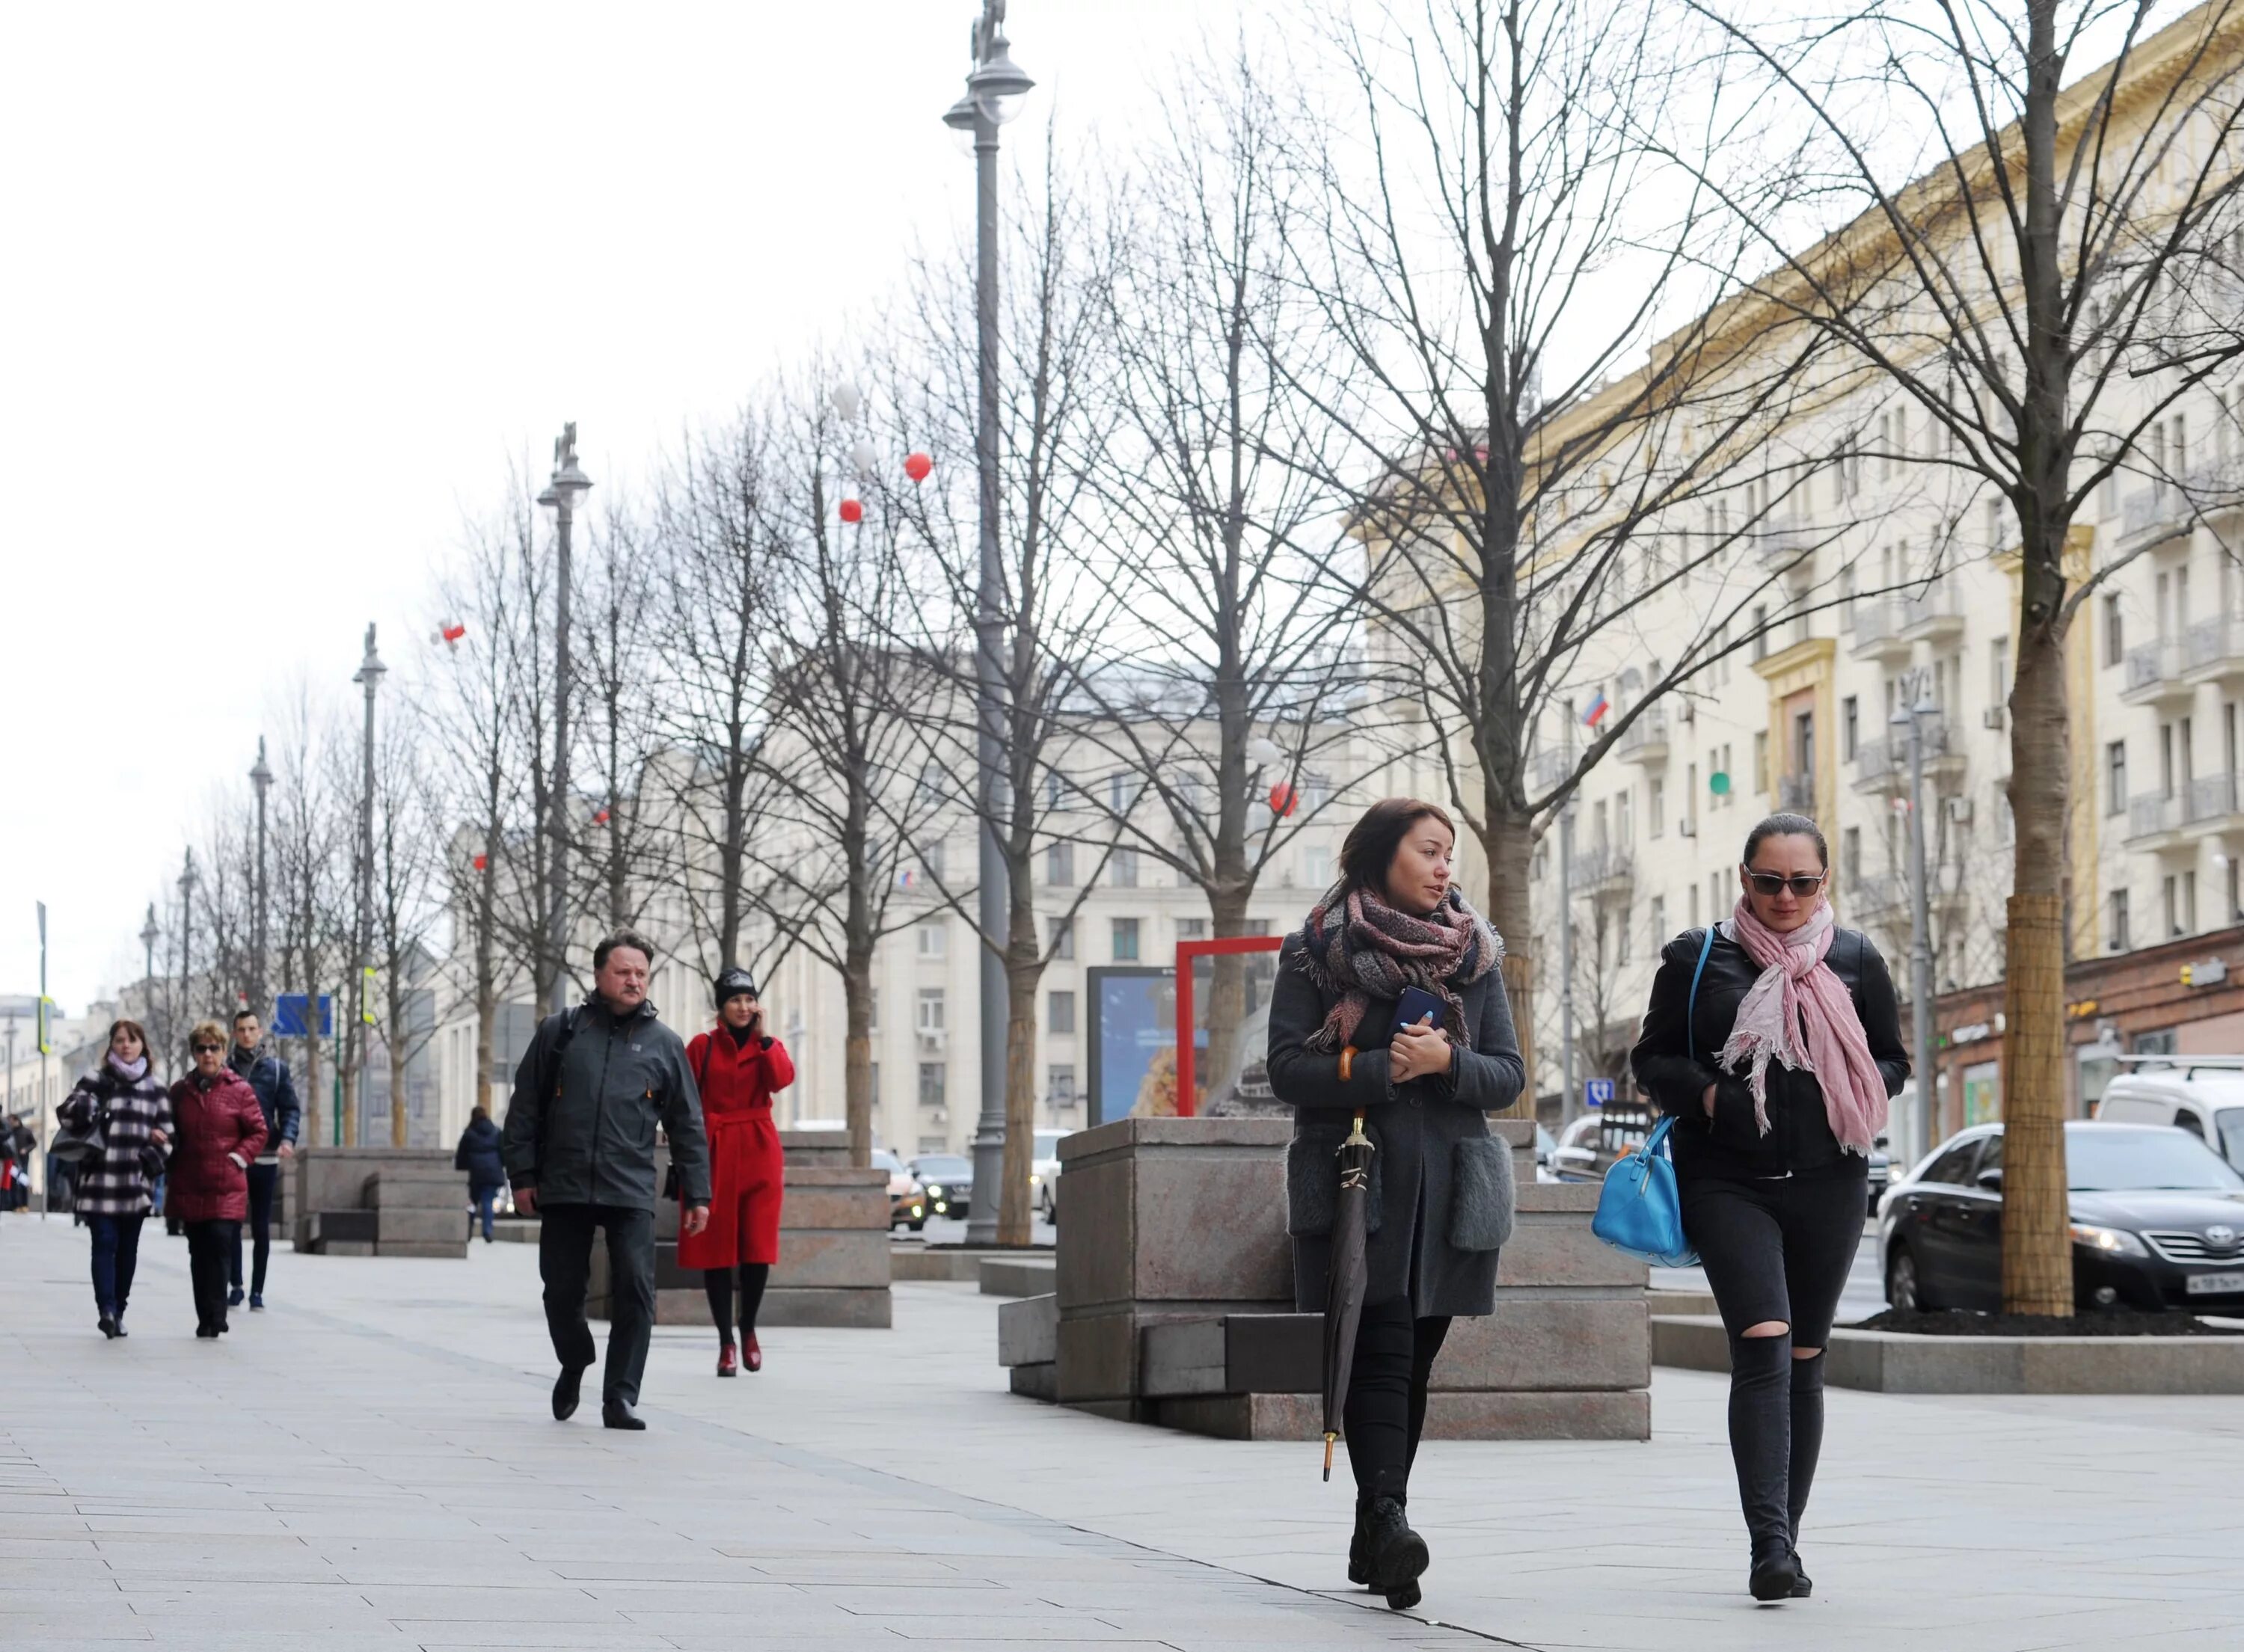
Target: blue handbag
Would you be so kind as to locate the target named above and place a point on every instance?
(1639, 1208)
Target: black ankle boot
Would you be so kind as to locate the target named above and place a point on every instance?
(1802, 1585)
(1396, 1555)
(1359, 1564)
(1775, 1573)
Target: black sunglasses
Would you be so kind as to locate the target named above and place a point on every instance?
(208, 1049)
(1774, 883)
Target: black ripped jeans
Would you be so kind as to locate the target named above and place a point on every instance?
(1385, 1410)
(1777, 1249)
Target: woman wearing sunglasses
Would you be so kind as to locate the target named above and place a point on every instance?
(219, 1128)
(1779, 1086)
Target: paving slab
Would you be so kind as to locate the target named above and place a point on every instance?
(370, 1463)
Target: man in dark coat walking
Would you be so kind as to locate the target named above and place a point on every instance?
(276, 1096)
(579, 1149)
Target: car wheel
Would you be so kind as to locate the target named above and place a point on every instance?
(918, 1226)
(1904, 1291)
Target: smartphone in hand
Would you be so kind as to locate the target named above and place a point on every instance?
(1415, 1005)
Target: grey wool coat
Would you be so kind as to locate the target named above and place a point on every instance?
(1441, 1194)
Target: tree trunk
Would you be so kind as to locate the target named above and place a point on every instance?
(1508, 845)
(2036, 1243)
(857, 1053)
(1015, 1210)
(396, 1048)
(1227, 996)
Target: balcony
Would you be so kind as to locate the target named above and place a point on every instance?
(1874, 627)
(1795, 794)
(1787, 549)
(1885, 898)
(1931, 615)
(2213, 649)
(1883, 765)
(2154, 673)
(1644, 740)
(2153, 516)
(1550, 766)
(2213, 805)
(2155, 822)
(1604, 872)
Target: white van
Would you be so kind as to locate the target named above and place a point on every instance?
(2205, 1097)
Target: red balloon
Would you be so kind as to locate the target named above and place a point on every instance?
(917, 466)
(601, 818)
(1282, 800)
(852, 510)
(452, 633)
(483, 863)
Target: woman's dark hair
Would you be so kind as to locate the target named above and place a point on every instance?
(133, 1027)
(1788, 825)
(1369, 847)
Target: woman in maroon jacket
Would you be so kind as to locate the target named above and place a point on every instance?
(217, 1129)
(738, 1068)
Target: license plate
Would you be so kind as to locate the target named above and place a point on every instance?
(2215, 1285)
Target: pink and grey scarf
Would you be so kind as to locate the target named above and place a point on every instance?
(1370, 950)
(1799, 1013)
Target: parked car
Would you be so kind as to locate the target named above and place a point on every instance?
(2208, 1102)
(947, 1179)
(907, 1199)
(2157, 1222)
(1880, 1175)
(1574, 1157)
(1043, 1173)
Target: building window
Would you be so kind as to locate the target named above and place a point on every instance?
(1192, 929)
(2115, 633)
(2189, 903)
(1051, 788)
(1621, 939)
(1059, 1084)
(1317, 867)
(1118, 793)
(1761, 631)
(930, 862)
(930, 1010)
(1850, 730)
(2119, 938)
(1059, 866)
(934, 938)
(1059, 1012)
(1659, 922)
(1125, 941)
(1694, 906)
(1850, 857)
(2115, 778)
(1760, 760)
(2170, 907)
(1125, 869)
(873, 1009)
(1063, 937)
(2235, 895)
(934, 1081)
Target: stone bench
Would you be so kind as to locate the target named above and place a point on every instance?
(416, 1201)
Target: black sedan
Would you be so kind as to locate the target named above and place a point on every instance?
(2158, 1222)
(949, 1180)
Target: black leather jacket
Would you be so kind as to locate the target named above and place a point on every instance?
(1674, 1068)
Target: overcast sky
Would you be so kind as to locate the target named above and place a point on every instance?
(289, 287)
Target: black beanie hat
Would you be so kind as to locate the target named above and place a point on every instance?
(731, 983)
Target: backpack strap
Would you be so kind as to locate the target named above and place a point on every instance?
(1691, 1004)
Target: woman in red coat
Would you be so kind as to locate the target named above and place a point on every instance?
(738, 1068)
(217, 1130)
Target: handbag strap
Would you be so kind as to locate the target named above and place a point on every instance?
(1691, 1004)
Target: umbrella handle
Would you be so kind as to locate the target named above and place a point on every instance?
(1357, 1138)
(1329, 1446)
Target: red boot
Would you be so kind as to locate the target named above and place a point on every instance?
(728, 1362)
(755, 1357)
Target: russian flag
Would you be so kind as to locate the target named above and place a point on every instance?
(1598, 707)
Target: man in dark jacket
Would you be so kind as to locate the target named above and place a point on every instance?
(579, 1149)
(276, 1094)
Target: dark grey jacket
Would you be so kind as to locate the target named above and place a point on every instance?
(1440, 1182)
(580, 1129)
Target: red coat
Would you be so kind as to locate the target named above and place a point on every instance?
(746, 1167)
(217, 1134)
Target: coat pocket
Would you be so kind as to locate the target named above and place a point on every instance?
(1482, 1198)
(1313, 1185)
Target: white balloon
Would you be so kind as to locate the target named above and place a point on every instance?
(847, 401)
(862, 456)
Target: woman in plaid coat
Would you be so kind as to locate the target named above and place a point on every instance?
(113, 1184)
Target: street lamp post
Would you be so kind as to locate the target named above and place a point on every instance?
(995, 87)
(262, 778)
(368, 675)
(188, 878)
(150, 934)
(1567, 962)
(561, 496)
(1911, 718)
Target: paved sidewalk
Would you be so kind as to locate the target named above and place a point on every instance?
(370, 1464)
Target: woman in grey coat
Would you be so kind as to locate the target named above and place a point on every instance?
(1441, 1195)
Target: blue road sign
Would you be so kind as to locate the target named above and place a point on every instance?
(291, 1011)
(1596, 1092)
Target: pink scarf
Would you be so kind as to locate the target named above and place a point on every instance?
(1797, 992)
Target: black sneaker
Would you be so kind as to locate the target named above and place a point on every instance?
(256, 1303)
(233, 1298)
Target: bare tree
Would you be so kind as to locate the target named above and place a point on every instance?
(409, 856)
(1050, 608)
(1535, 464)
(2046, 271)
(1235, 669)
(624, 616)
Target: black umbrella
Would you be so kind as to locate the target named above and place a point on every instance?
(1344, 1279)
